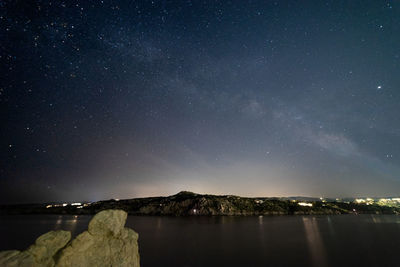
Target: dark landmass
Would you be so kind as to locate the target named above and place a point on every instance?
(191, 204)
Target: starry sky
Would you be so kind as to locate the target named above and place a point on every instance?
(122, 99)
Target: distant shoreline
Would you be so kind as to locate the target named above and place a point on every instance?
(192, 204)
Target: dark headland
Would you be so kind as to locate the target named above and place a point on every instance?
(191, 204)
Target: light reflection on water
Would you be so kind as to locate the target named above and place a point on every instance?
(260, 220)
(376, 219)
(68, 223)
(263, 236)
(58, 223)
(237, 241)
(330, 225)
(314, 240)
(159, 223)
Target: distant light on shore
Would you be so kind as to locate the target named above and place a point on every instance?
(305, 204)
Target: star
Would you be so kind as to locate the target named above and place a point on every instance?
(195, 98)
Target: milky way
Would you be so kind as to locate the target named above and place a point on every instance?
(120, 99)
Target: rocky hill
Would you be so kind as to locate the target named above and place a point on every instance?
(188, 203)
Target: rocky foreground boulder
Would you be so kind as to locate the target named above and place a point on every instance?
(106, 243)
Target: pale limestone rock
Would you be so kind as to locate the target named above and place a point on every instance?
(108, 222)
(39, 254)
(13, 258)
(124, 255)
(7, 254)
(106, 243)
(47, 245)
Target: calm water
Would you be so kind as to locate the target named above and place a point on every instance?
(344, 240)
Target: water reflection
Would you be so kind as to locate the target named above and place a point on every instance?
(223, 219)
(314, 240)
(262, 232)
(260, 220)
(159, 223)
(330, 225)
(69, 223)
(58, 223)
(376, 219)
(72, 224)
(237, 241)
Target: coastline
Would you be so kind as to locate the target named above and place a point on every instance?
(192, 204)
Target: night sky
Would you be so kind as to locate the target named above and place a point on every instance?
(122, 99)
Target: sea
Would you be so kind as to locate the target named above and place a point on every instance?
(338, 240)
